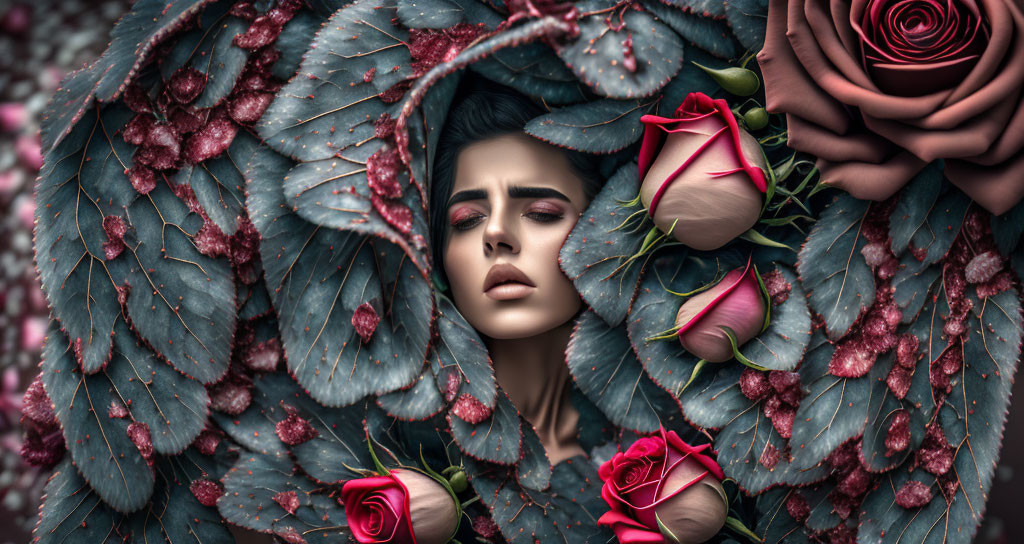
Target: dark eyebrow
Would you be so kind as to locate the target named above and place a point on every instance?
(462, 196)
(515, 191)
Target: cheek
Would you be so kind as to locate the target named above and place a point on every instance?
(457, 261)
(545, 247)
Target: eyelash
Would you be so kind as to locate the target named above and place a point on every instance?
(540, 217)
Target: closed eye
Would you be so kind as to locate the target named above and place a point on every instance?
(468, 222)
(544, 217)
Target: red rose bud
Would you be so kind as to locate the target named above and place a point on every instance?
(736, 302)
(404, 507)
(661, 478)
(703, 176)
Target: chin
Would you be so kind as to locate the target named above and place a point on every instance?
(510, 323)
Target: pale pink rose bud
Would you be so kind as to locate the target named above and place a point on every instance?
(736, 302)
(702, 173)
(431, 508)
(698, 512)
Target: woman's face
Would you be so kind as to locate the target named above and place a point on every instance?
(513, 203)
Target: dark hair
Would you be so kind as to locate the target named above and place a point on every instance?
(485, 110)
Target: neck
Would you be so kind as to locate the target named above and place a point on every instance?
(532, 371)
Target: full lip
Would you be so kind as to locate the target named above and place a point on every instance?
(505, 273)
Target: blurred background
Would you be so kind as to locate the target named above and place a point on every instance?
(40, 42)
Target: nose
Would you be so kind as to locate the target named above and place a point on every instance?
(500, 236)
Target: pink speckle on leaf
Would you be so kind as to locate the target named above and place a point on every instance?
(797, 507)
(186, 120)
(264, 356)
(142, 179)
(263, 31)
(754, 384)
(907, 351)
(36, 405)
(983, 267)
(230, 397)
(211, 241)
(384, 126)
(1003, 281)
(138, 433)
(898, 380)
(470, 410)
(783, 419)
(289, 500)
(855, 483)
(186, 84)
(935, 454)
(206, 491)
(395, 92)
(876, 254)
(365, 321)
(770, 456)
(247, 108)
(115, 229)
(207, 442)
(243, 10)
(245, 242)
(136, 99)
(851, 360)
(294, 430)
(382, 169)
(210, 141)
(913, 494)
(897, 438)
(777, 286)
(396, 214)
(452, 383)
(485, 527)
(116, 410)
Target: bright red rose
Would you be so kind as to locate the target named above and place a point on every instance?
(701, 173)
(663, 478)
(404, 507)
(876, 89)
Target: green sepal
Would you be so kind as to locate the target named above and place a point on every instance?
(665, 531)
(381, 469)
(736, 525)
(757, 238)
(767, 301)
(693, 375)
(736, 350)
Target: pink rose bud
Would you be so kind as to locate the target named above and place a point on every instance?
(404, 507)
(701, 173)
(736, 302)
(661, 478)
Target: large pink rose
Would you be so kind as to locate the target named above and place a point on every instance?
(703, 175)
(876, 89)
(663, 478)
(405, 507)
